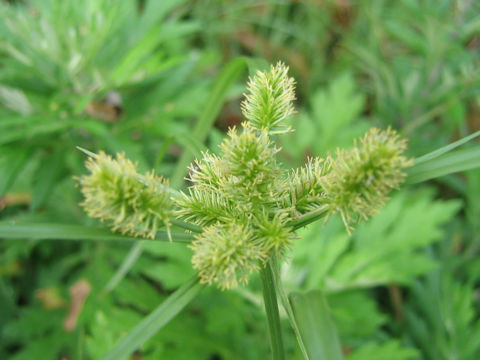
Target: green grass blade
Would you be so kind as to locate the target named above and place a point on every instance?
(46, 177)
(154, 13)
(445, 149)
(155, 320)
(12, 162)
(316, 327)
(227, 77)
(12, 230)
(452, 162)
(29, 131)
(130, 259)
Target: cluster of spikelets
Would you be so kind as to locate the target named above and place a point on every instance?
(133, 204)
(237, 198)
(356, 182)
(243, 200)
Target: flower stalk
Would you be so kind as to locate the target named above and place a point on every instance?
(271, 309)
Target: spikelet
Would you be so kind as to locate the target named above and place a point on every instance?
(275, 235)
(269, 100)
(249, 154)
(133, 204)
(209, 172)
(204, 207)
(306, 185)
(226, 254)
(359, 180)
(252, 169)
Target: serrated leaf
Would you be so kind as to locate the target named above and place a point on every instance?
(334, 119)
(356, 314)
(441, 317)
(385, 248)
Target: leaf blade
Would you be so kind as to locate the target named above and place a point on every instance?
(52, 231)
(316, 326)
(449, 163)
(447, 148)
(155, 320)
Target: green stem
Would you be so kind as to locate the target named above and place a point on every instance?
(286, 305)
(308, 218)
(271, 308)
(187, 226)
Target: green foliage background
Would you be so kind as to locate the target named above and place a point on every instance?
(404, 286)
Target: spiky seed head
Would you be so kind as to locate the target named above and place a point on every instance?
(226, 254)
(273, 232)
(115, 192)
(306, 189)
(359, 180)
(249, 155)
(269, 100)
(242, 198)
(204, 207)
(209, 172)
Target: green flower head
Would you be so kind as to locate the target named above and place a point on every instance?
(226, 254)
(269, 100)
(115, 192)
(359, 180)
(245, 203)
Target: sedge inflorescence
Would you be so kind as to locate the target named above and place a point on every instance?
(356, 182)
(237, 198)
(246, 204)
(133, 204)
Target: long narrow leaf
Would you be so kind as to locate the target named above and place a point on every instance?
(449, 163)
(31, 131)
(227, 77)
(12, 162)
(155, 320)
(445, 149)
(12, 230)
(127, 263)
(316, 327)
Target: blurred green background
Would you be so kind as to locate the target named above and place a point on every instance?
(138, 76)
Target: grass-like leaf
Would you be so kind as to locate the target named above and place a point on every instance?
(227, 77)
(155, 320)
(315, 325)
(443, 150)
(12, 230)
(124, 268)
(447, 163)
